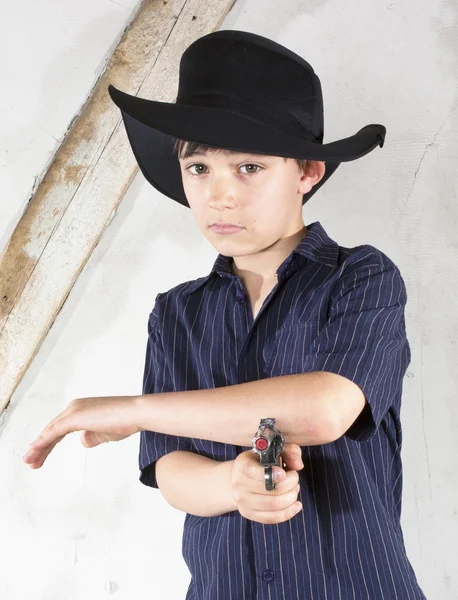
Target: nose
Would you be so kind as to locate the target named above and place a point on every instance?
(222, 191)
(220, 202)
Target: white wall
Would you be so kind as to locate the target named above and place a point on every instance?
(52, 55)
(84, 518)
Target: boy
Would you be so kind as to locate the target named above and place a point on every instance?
(288, 324)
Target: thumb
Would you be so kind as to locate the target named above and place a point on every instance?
(292, 456)
(90, 439)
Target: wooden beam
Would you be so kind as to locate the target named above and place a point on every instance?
(87, 179)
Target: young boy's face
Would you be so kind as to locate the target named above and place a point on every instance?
(260, 193)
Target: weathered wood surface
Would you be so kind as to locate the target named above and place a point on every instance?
(88, 178)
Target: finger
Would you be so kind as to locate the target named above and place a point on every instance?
(289, 482)
(36, 457)
(37, 452)
(293, 458)
(57, 428)
(258, 473)
(272, 517)
(278, 499)
(253, 469)
(43, 438)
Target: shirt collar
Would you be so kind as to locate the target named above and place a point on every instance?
(316, 245)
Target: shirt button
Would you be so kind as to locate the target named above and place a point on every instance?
(240, 297)
(268, 575)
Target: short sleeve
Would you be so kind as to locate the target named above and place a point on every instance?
(364, 339)
(156, 379)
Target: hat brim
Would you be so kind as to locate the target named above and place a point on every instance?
(151, 127)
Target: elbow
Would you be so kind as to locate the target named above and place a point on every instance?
(338, 423)
(330, 431)
(327, 428)
(340, 410)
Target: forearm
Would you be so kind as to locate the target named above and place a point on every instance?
(304, 406)
(196, 484)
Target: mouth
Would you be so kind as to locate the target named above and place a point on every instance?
(225, 228)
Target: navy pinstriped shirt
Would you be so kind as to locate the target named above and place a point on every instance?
(333, 309)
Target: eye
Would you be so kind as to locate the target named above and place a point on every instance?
(196, 165)
(245, 165)
(252, 165)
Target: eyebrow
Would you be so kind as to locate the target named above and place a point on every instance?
(229, 152)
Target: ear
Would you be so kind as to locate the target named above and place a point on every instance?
(316, 170)
(313, 173)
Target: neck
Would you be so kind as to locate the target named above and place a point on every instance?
(251, 271)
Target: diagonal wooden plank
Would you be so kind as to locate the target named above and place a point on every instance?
(87, 179)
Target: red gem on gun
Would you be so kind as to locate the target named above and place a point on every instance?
(261, 443)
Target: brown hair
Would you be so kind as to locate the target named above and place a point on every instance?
(185, 148)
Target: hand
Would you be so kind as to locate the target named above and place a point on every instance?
(103, 419)
(254, 502)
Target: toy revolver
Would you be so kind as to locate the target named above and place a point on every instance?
(269, 443)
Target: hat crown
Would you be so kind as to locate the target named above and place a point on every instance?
(252, 75)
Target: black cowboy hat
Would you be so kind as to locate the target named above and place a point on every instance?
(240, 91)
